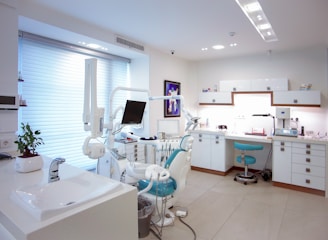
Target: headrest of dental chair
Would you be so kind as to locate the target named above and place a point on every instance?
(185, 145)
(186, 142)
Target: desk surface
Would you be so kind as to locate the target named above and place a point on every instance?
(248, 138)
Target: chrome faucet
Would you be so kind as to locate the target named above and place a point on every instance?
(53, 169)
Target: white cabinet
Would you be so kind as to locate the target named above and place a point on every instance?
(254, 85)
(135, 152)
(308, 165)
(209, 152)
(281, 162)
(224, 98)
(300, 164)
(297, 98)
(235, 86)
(201, 151)
(269, 84)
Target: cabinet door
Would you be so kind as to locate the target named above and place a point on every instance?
(215, 98)
(218, 159)
(281, 162)
(235, 86)
(269, 84)
(296, 98)
(201, 153)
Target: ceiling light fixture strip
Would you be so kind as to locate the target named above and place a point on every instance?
(254, 12)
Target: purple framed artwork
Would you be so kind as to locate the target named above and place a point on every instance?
(172, 107)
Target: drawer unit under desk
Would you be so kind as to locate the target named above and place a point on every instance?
(308, 165)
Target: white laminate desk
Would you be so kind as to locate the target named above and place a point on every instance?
(301, 149)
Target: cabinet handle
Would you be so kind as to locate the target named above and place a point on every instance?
(308, 170)
(282, 143)
(234, 89)
(295, 101)
(213, 100)
(308, 152)
(308, 160)
(200, 140)
(282, 149)
(217, 142)
(308, 146)
(308, 181)
(199, 135)
(268, 88)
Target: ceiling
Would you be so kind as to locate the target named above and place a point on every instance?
(187, 26)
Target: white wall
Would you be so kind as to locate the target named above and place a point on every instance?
(8, 64)
(299, 66)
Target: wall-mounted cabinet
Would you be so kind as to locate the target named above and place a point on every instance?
(254, 85)
(297, 98)
(235, 86)
(215, 98)
(269, 84)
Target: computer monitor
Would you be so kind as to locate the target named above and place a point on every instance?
(133, 112)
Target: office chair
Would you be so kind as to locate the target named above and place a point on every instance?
(246, 176)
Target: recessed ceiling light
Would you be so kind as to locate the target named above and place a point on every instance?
(233, 44)
(93, 45)
(204, 49)
(218, 47)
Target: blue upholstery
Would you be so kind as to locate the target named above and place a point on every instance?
(248, 159)
(161, 189)
(247, 147)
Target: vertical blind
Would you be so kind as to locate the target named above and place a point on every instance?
(53, 88)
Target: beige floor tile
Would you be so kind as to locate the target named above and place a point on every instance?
(221, 209)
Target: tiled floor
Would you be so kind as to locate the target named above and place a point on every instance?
(222, 209)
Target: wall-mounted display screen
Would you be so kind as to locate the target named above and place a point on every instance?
(133, 112)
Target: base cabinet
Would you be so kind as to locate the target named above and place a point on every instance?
(209, 152)
(299, 164)
(281, 162)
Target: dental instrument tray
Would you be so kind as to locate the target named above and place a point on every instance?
(286, 132)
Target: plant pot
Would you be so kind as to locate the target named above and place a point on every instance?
(30, 164)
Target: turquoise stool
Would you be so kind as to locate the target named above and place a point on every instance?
(246, 177)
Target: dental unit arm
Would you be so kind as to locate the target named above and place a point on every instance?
(93, 116)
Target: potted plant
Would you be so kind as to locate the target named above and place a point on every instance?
(27, 142)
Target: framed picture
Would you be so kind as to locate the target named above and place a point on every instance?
(172, 107)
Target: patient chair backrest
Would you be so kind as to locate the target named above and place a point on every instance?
(179, 162)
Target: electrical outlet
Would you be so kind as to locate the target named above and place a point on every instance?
(6, 143)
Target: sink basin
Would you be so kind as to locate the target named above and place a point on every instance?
(48, 200)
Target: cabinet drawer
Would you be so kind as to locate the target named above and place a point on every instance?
(282, 143)
(308, 170)
(309, 160)
(310, 146)
(309, 152)
(308, 181)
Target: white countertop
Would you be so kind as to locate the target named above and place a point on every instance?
(19, 222)
(255, 138)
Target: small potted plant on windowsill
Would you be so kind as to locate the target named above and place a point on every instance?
(27, 142)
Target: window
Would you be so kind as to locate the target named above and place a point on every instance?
(53, 88)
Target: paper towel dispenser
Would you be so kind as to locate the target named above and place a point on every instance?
(9, 102)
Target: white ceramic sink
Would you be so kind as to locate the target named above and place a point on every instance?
(48, 200)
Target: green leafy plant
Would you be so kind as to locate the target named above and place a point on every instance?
(28, 141)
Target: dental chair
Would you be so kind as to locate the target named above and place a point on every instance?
(163, 185)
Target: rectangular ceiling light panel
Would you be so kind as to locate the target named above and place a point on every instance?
(257, 17)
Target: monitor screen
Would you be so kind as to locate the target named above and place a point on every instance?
(133, 112)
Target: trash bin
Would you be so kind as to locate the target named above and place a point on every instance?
(145, 210)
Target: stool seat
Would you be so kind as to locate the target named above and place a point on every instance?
(246, 176)
(247, 159)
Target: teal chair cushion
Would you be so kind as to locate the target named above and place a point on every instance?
(161, 189)
(247, 147)
(248, 159)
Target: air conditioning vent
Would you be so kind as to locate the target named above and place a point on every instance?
(129, 44)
